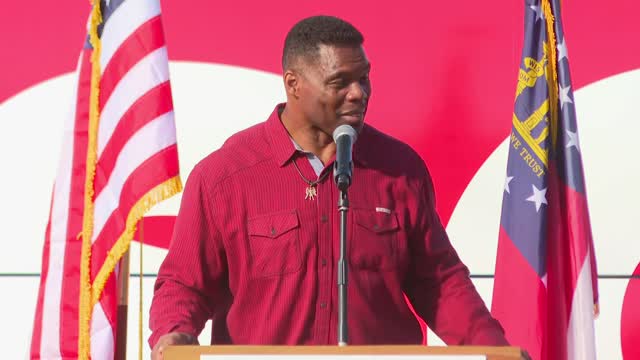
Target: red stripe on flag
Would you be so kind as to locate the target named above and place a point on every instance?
(160, 167)
(145, 39)
(519, 291)
(37, 322)
(154, 103)
(71, 271)
(158, 231)
(109, 304)
(568, 242)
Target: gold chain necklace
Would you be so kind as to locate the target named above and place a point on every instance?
(311, 192)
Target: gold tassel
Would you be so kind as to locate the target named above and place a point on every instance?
(553, 66)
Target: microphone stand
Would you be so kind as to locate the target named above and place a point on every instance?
(343, 207)
(344, 136)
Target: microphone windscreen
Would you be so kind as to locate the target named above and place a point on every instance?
(345, 130)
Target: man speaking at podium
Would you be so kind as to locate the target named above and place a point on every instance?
(256, 241)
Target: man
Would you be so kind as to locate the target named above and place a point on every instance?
(256, 240)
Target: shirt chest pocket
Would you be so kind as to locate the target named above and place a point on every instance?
(274, 244)
(374, 240)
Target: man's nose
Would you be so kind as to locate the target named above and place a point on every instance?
(358, 92)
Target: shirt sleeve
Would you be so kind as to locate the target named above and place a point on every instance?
(438, 283)
(190, 280)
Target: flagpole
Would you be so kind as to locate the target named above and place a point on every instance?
(123, 301)
(140, 286)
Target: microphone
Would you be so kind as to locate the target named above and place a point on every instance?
(344, 136)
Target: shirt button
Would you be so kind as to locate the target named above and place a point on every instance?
(323, 262)
(324, 218)
(323, 305)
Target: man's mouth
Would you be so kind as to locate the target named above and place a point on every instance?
(354, 113)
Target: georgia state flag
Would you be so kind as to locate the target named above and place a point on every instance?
(444, 76)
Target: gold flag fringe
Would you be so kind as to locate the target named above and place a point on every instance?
(85, 308)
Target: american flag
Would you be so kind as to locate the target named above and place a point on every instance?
(119, 158)
(546, 282)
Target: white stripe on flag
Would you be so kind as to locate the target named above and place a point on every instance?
(134, 84)
(153, 137)
(581, 332)
(122, 23)
(433, 339)
(102, 343)
(50, 335)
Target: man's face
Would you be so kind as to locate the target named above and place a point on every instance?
(335, 87)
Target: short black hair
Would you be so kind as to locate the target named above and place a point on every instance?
(306, 36)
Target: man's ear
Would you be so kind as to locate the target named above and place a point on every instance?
(291, 83)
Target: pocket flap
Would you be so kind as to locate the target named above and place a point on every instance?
(273, 225)
(376, 221)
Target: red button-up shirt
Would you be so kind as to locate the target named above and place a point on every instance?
(250, 252)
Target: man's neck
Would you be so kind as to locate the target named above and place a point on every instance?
(308, 137)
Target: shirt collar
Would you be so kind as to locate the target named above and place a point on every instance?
(283, 148)
(281, 144)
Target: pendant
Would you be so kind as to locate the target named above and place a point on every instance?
(311, 193)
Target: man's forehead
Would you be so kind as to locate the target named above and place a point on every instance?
(337, 56)
(336, 50)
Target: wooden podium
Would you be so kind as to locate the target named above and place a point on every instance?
(399, 352)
